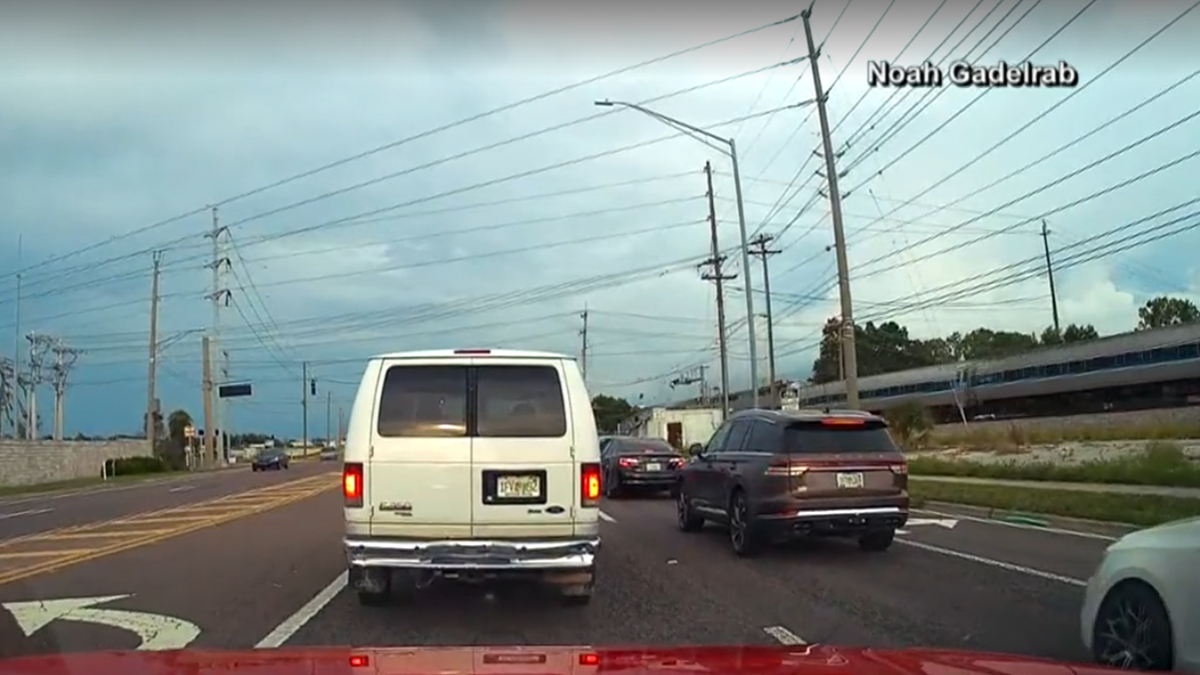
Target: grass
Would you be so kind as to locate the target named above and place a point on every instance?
(83, 483)
(1144, 510)
(1159, 463)
(991, 435)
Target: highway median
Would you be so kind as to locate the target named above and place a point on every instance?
(1087, 501)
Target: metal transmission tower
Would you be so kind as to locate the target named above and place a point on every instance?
(39, 346)
(217, 357)
(64, 360)
(8, 395)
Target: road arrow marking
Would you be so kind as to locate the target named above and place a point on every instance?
(158, 632)
(947, 523)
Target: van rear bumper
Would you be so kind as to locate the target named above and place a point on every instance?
(472, 554)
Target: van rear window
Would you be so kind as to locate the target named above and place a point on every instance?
(816, 438)
(423, 402)
(433, 402)
(520, 402)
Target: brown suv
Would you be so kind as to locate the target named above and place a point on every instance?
(769, 475)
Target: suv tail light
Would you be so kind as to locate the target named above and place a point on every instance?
(900, 469)
(786, 469)
(589, 484)
(352, 485)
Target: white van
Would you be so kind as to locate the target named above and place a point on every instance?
(472, 464)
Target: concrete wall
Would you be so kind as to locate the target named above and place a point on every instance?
(33, 462)
(1189, 416)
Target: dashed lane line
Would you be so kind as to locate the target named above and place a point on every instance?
(999, 564)
(291, 625)
(784, 636)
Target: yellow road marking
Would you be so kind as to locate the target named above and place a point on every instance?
(68, 558)
(43, 554)
(100, 535)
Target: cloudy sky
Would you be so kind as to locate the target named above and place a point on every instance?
(485, 201)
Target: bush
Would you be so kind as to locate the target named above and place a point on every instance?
(1159, 463)
(910, 424)
(131, 466)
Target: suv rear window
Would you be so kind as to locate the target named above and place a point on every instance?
(817, 438)
(423, 402)
(520, 402)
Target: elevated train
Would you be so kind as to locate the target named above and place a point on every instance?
(1131, 371)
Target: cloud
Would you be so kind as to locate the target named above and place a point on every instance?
(116, 124)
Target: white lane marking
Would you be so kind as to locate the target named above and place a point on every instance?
(296, 621)
(607, 518)
(158, 632)
(784, 636)
(182, 488)
(29, 512)
(1021, 526)
(1020, 569)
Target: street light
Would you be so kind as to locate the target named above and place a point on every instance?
(731, 150)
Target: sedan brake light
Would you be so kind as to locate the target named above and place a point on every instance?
(628, 462)
(352, 485)
(900, 469)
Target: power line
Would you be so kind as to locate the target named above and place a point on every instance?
(397, 143)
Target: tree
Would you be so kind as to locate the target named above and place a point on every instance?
(1071, 334)
(610, 412)
(1166, 311)
(985, 343)
(174, 450)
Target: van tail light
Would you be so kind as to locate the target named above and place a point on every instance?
(628, 462)
(352, 485)
(589, 484)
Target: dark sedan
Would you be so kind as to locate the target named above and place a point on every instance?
(268, 460)
(638, 464)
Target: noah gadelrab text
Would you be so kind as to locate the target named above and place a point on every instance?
(964, 74)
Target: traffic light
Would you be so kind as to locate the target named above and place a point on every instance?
(313, 387)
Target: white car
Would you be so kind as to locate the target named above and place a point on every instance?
(1141, 609)
(474, 465)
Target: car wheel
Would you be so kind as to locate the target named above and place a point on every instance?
(877, 540)
(743, 536)
(688, 520)
(1132, 630)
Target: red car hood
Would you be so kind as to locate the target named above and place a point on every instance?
(809, 660)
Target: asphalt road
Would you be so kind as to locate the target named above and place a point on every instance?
(276, 578)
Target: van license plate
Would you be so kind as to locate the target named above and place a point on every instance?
(518, 487)
(849, 481)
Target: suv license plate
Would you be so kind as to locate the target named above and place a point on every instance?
(510, 487)
(849, 481)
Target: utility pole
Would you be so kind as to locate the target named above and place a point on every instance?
(64, 360)
(1050, 275)
(219, 297)
(328, 417)
(152, 377)
(209, 437)
(759, 249)
(719, 278)
(304, 402)
(849, 354)
(583, 351)
(341, 437)
(15, 383)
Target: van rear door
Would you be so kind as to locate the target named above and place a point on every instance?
(419, 477)
(523, 472)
